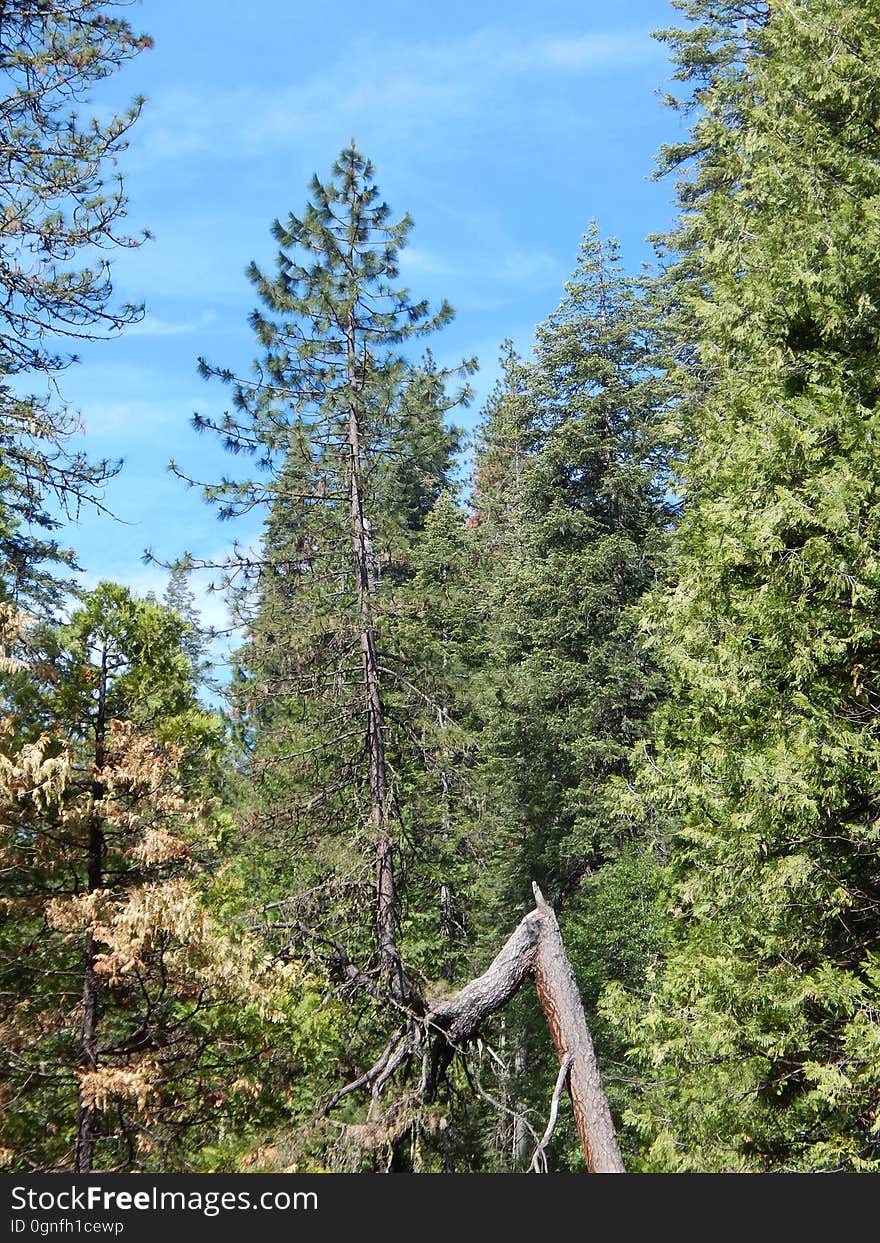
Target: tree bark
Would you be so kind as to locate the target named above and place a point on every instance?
(365, 577)
(86, 1120)
(520, 1136)
(562, 1006)
(458, 1017)
(536, 949)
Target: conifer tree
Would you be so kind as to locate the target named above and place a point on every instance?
(61, 204)
(591, 518)
(571, 512)
(761, 1035)
(349, 434)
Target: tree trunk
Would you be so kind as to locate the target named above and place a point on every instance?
(380, 810)
(562, 1006)
(535, 948)
(86, 1121)
(520, 1136)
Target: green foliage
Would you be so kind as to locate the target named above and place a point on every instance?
(435, 635)
(645, 672)
(571, 522)
(61, 204)
(581, 542)
(760, 1032)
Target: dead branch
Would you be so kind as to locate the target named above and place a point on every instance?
(369, 1075)
(539, 1157)
(459, 1016)
(535, 949)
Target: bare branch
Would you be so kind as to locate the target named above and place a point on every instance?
(539, 1158)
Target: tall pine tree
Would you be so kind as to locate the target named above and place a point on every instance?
(349, 434)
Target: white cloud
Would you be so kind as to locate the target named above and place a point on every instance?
(141, 582)
(534, 266)
(600, 51)
(501, 261)
(155, 326)
(129, 421)
(408, 89)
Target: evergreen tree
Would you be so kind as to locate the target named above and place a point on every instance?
(61, 204)
(349, 436)
(761, 1035)
(573, 518)
(591, 518)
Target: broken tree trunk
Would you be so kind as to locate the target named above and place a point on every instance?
(562, 1006)
(535, 948)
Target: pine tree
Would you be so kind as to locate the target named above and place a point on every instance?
(761, 1034)
(61, 204)
(349, 436)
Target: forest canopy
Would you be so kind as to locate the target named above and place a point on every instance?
(548, 766)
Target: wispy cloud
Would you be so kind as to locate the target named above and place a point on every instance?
(535, 266)
(421, 88)
(610, 51)
(155, 326)
(143, 581)
(499, 260)
(132, 420)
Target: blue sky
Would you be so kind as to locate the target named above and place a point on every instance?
(502, 128)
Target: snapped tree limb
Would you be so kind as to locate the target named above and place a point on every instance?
(535, 948)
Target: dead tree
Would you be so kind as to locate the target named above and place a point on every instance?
(534, 950)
